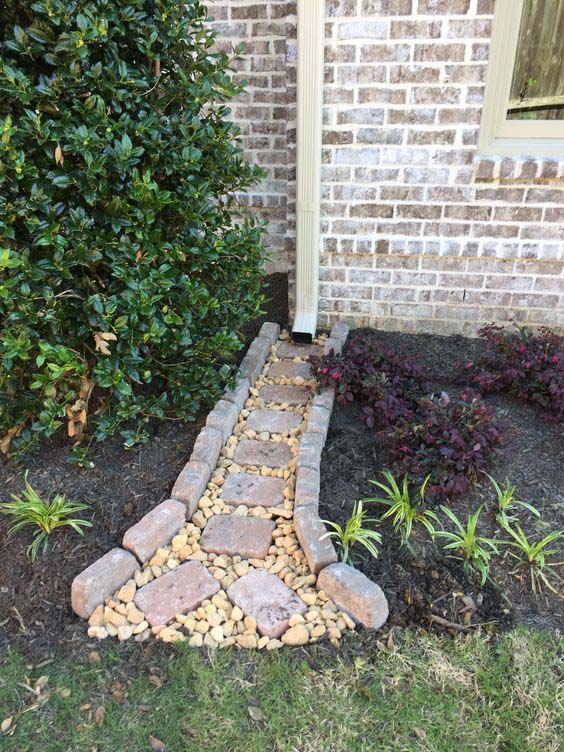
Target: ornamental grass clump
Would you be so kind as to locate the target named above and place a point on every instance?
(127, 266)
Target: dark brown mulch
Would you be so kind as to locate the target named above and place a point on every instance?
(35, 614)
(425, 582)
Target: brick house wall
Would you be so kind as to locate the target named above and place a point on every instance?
(419, 233)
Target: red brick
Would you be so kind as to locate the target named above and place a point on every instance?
(253, 490)
(262, 453)
(354, 593)
(273, 421)
(155, 529)
(176, 592)
(101, 579)
(267, 599)
(190, 485)
(248, 537)
(311, 532)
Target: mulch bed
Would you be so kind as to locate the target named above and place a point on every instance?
(35, 613)
(424, 582)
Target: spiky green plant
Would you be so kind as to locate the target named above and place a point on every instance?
(31, 509)
(532, 557)
(506, 500)
(475, 551)
(401, 509)
(354, 532)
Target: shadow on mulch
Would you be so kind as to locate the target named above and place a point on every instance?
(35, 613)
(424, 582)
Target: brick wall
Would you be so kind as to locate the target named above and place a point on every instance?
(418, 232)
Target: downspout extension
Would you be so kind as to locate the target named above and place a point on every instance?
(311, 39)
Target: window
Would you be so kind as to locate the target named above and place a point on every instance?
(524, 103)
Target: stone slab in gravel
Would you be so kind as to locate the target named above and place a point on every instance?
(290, 350)
(207, 446)
(176, 592)
(356, 594)
(307, 488)
(239, 394)
(258, 453)
(100, 580)
(273, 421)
(248, 537)
(289, 369)
(253, 490)
(279, 393)
(223, 417)
(190, 485)
(267, 599)
(309, 453)
(319, 551)
(155, 529)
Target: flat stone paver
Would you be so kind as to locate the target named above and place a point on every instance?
(273, 421)
(248, 537)
(293, 395)
(253, 490)
(267, 599)
(354, 593)
(155, 529)
(176, 592)
(290, 350)
(289, 369)
(259, 453)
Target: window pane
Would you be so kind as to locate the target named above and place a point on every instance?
(537, 89)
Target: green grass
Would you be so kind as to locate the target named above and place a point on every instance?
(432, 694)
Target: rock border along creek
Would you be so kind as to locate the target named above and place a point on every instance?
(238, 555)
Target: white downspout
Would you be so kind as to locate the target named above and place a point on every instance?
(311, 38)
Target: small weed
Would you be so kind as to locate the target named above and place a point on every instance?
(31, 509)
(354, 532)
(401, 509)
(474, 550)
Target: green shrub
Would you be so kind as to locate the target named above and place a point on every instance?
(127, 269)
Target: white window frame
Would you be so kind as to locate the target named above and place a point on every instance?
(498, 135)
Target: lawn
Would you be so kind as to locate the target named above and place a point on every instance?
(422, 692)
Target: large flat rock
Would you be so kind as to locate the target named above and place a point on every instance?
(262, 453)
(289, 370)
(253, 490)
(266, 598)
(176, 592)
(273, 421)
(248, 537)
(290, 350)
(279, 393)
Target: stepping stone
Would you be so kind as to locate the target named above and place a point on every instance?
(273, 421)
(101, 579)
(293, 395)
(289, 369)
(262, 453)
(267, 599)
(290, 350)
(176, 592)
(354, 593)
(253, 490)
(248, 537)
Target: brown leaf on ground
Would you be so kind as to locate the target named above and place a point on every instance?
(99, 715)
(101, 339)
(156, 744)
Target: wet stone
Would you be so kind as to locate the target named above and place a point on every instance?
(290, 350)
(289, 369)
(176, 592)
(273, 421)
(267, 599)
(293, 395)
(259, 453)
(248, 537)
(253, 490)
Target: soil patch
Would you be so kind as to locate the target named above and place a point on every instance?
(424, 582)
(35, 613)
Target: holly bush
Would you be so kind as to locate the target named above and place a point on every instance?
(127, 267)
